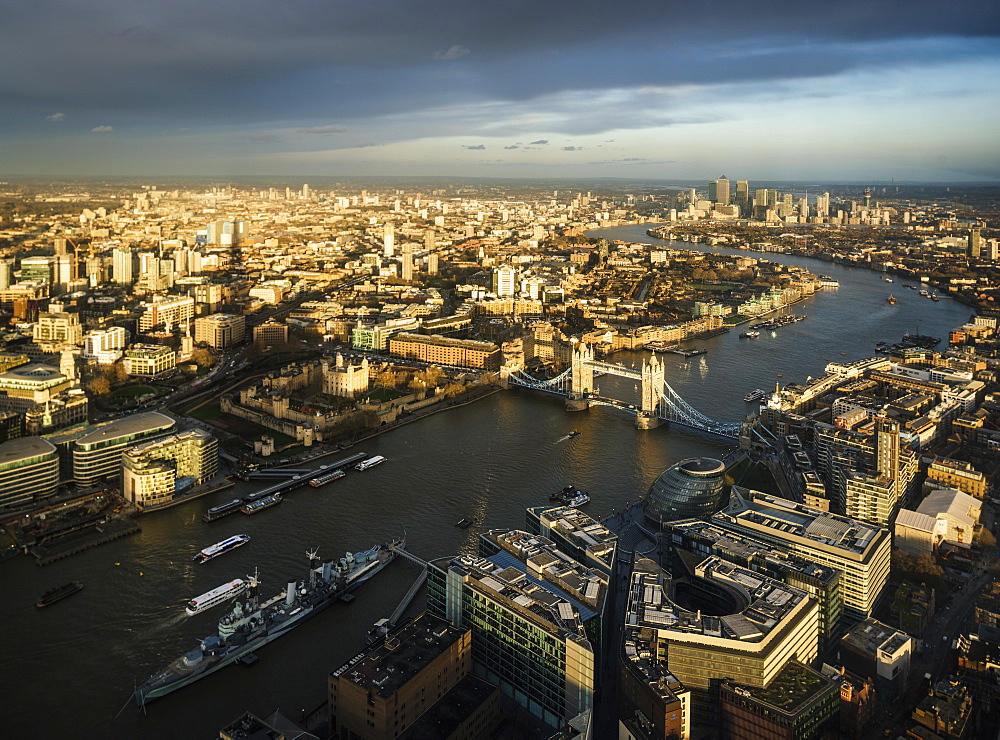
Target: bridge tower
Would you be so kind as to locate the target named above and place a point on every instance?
(582, 376)
(652, 386)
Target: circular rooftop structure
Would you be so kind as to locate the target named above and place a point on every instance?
(689, 488)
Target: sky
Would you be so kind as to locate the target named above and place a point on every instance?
(859, 90)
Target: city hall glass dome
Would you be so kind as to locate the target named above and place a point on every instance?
(690, 488)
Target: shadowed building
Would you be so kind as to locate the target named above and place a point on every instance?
(536, 617)
(796, 705)
(415, 683)
(716, 621)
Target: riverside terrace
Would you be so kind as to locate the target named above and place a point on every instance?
(722, 620)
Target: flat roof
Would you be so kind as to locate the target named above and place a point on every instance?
(35, 371)
(22, 448)
(505, 560)
(871, 636)
(794, 686)
(745, 546)
(388, 665)
(766, 603)
(449, 712)
(788, 520)
(126, 426)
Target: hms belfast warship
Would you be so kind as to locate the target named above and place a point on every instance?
(252, 624)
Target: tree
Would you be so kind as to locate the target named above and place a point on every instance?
(99, 386)
(115, 373)
(203, 357)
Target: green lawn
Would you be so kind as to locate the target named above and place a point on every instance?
(208, 412)
(380, 395)
(132, 391)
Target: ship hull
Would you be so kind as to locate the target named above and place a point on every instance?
(158, 686)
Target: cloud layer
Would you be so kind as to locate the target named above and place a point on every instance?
(302, 74)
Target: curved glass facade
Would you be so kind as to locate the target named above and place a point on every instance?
(690, 488)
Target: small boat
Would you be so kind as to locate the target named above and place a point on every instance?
(570, 496)
(574, 434)
(891, 299)
(755, 395)
(213, 551)
(216, 596)
(58, 594)
(463, 523)
(370, 462)
(751, 334)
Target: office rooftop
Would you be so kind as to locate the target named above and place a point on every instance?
(580, 529)
(764, 603)
(787, 519)
(19, 449)
(127, 426)
(872, 636)
(746, 548)
(795, 686)
(386, 666)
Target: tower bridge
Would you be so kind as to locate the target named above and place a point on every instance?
(658, 402)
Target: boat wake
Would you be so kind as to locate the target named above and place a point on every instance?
(172, 621)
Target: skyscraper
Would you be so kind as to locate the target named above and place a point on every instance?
(6, 272)
(743, 196)
(505, 280)
(823, 204)
(123, 266)
(407, 262)
(975, 243)
(389, 239)
(718, 191)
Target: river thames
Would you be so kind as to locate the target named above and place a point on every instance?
(69, 670)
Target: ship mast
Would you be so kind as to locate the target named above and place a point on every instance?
(314, 561)
(252, 583)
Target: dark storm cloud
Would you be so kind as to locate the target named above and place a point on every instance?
(232, 59)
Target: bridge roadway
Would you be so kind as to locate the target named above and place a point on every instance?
(670, 407)
(620, 370)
